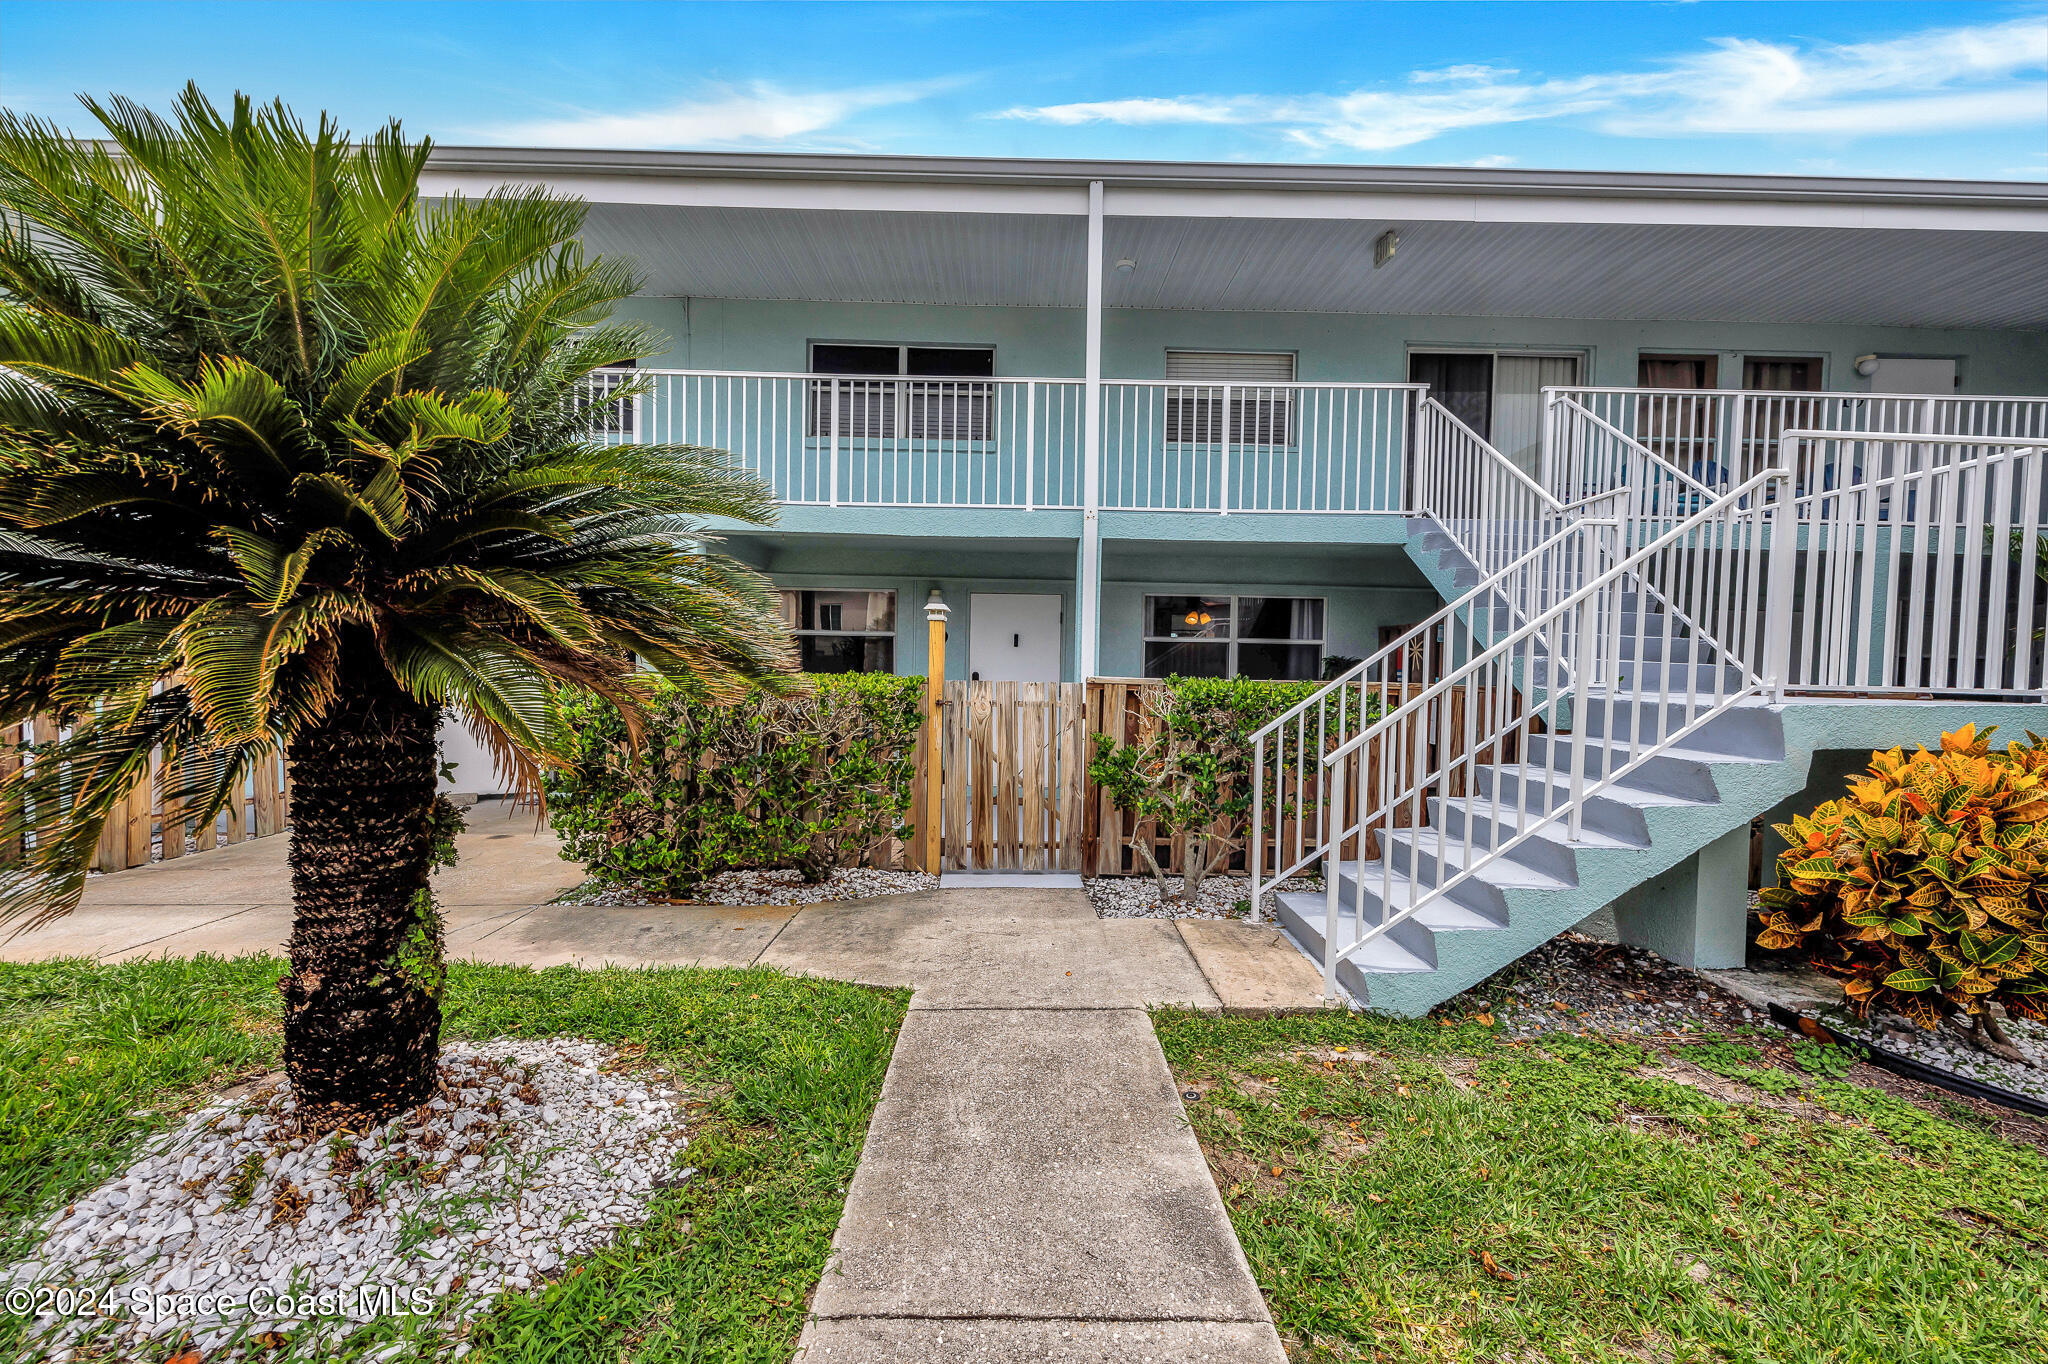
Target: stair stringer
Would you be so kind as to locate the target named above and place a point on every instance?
(1745, 788)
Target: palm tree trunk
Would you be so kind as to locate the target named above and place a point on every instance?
(362, 1015)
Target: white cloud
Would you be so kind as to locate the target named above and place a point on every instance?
(1134, 112)
(1941, 80)
(754, 114)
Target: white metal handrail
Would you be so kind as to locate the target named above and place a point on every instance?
(844, 440)
(1170, 445)
(1588, 626)
(1503, 521)
(1299, 737)
(1724, 435)
(1924, 560)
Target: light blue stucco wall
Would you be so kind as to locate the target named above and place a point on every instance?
(1365, 587)
(1047, 342)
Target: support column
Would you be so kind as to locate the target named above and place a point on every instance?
(1088, 575)
(1697, 913)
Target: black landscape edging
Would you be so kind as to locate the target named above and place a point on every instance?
(1906, 1066)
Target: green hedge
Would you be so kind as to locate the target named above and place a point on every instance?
(809, 781)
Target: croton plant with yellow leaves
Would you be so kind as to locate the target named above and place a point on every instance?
(1925, 889)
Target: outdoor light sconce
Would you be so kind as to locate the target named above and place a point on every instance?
(1866, 365)
(1383, 247)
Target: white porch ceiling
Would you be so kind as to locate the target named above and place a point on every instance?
(1636, 271)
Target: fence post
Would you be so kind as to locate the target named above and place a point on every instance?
(1257, 858)
(1333, 777)
(935, 613)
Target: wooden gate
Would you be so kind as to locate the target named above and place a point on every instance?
(1013, 772)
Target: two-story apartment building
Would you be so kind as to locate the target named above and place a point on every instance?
(1632, 496)
(907, 348)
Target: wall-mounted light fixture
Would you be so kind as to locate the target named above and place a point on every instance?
(1383, 247)
(1125, 265)
(1866, 365)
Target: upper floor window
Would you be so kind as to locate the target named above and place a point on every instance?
(842, 630)
(1259, 413)
(1781, 373)
(923, 392)
(1220, 636)
(1678, 371)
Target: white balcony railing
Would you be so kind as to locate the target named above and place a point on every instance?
(852, 441)
(1256, 447)
(855, 441)
(1721, 437)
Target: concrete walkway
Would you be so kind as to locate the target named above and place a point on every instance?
(1030, 1188)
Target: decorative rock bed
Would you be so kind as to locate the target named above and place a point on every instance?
(1948, 1049)
(771, 888)
(1218, 897)
(231, 1228)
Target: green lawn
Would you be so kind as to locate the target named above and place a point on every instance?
(1414, 1191)
(94, 1058)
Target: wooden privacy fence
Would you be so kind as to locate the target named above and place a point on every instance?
(140, 830)
(1014, 775)
(1016, 795)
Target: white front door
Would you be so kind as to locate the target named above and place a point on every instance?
(1013, 637)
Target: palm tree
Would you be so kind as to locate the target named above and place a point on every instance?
(294, 459)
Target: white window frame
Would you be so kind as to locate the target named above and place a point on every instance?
(889, 634)
(1582, 354)
(1269, 415)
(963, 405)
(1233, 639)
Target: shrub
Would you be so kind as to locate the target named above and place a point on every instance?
(810, 781)
(1190, 773)
(1924, 888)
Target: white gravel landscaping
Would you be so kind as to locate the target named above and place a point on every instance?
(768, 888)
(1222, 896)
(1947, 1048)
(235, 1225)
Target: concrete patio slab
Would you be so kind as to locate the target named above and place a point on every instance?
(1034, 1163)
(238, 898)
(995, 948)
(629, 935)
(132, 927)
(1253, 968)
(888, 1341)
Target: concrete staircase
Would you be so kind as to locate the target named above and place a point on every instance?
(1713, 780)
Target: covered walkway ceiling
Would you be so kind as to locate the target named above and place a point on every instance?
(1298, 239)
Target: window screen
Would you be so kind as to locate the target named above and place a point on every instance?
(1259, 415)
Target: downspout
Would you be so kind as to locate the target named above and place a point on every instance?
(1088, 589)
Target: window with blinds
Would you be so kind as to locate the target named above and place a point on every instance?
(1258, 414)
(929, 393)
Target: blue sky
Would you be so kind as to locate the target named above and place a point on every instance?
(1958, 90)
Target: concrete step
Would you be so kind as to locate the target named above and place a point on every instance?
(1484, 824)
(1617, 811)
(1679, 773)
(1741, 731)
(1430, 857)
